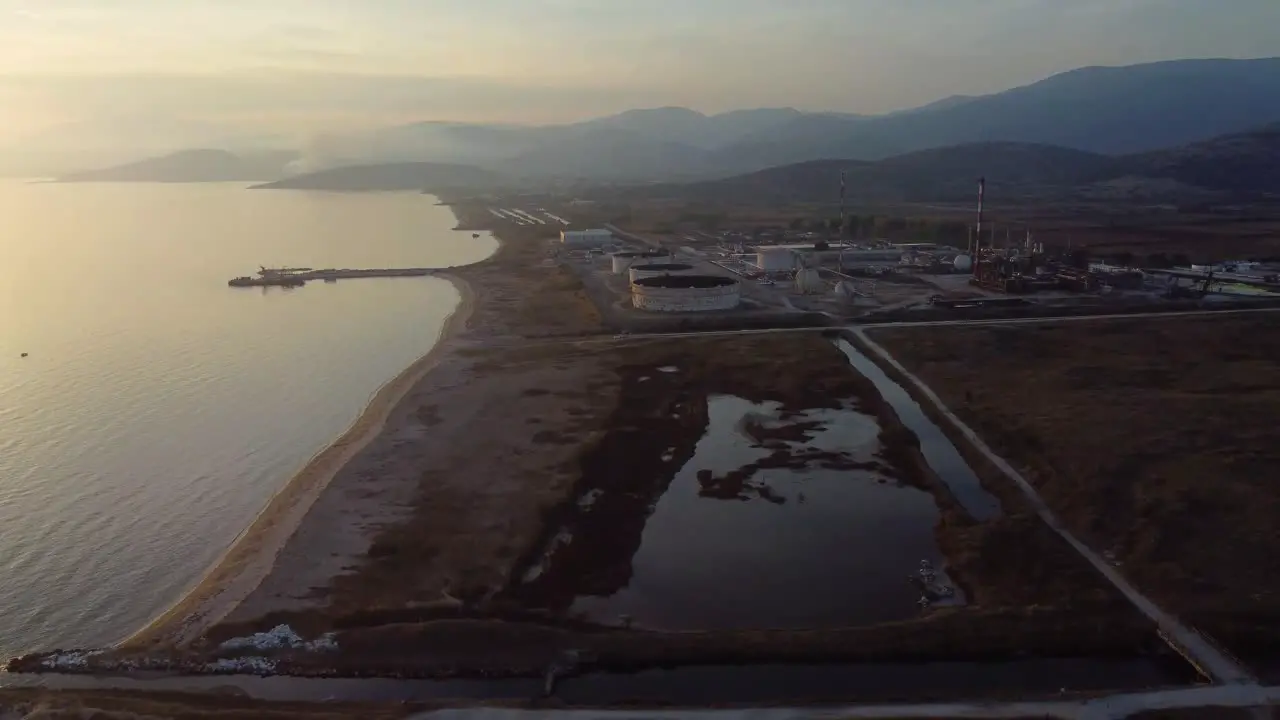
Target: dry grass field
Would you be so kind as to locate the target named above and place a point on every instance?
(1154, 438)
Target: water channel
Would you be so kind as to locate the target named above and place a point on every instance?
(937, 448)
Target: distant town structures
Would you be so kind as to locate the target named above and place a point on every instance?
(586, 238)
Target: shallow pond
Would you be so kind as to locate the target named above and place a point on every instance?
(780, 522)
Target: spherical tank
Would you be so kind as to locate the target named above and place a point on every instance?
(809, 281)
(963, 263)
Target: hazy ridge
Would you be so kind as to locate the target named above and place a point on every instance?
(1236, 166)
(1102, 111)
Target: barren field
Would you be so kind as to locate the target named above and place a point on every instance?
(446, 580)
(1153, 438)
(106, 705)
(535, 427)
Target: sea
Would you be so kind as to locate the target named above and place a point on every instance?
(157, 410)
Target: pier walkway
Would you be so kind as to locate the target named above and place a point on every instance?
(297, 277)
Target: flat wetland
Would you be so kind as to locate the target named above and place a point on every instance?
(1153, 438)
(574, 489)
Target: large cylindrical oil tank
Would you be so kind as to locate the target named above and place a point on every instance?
(775, 259)
(652, 269)
(963, 263)
(622, 261)
(685, 293)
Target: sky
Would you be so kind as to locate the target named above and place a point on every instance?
(300, 67)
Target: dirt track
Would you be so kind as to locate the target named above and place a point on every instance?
(1153, 438)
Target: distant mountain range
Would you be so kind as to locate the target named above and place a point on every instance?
(1108, 110)
(1098, 110)
(193, 166)
(1236, 166)
(416, 176)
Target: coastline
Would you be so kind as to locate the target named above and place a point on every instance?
(253, 553)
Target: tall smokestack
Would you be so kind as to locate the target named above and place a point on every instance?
(840, 232)
(982, 191)
(842, 216)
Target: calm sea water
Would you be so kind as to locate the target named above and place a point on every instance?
(159, 409)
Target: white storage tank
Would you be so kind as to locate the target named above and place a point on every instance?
(685, 293)
(963, 263)
(775, 259)
(652, 269)
(622, 261)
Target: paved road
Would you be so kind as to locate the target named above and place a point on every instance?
(1104, 708)
(1070, 318)
(857, 327)
(1220, 667)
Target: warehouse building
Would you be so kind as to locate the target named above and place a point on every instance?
(586, 238)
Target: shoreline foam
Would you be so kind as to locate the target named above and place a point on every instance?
(252, 554)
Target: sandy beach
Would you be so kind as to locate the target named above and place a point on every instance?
(421, 503)
(253, 554)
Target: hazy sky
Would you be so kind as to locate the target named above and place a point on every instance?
(314, 65)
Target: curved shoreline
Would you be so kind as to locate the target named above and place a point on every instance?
(253, 553)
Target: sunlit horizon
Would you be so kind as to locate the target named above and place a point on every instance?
(144, 70)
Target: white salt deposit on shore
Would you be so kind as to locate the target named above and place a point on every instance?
(70, 660)
(280, 637)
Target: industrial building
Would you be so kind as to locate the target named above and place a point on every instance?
(586, 238)
(775, 258)
(623, 260)
(783, 258)
(685, 293)
(645, 270)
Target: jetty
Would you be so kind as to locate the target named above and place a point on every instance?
(297, 277)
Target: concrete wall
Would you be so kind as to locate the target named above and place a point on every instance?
(676, 300)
